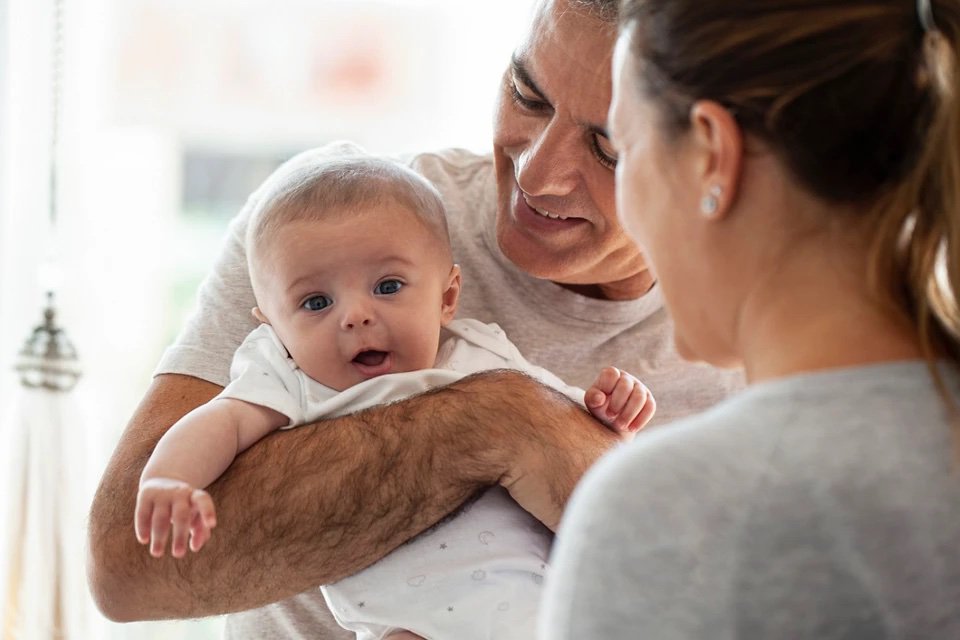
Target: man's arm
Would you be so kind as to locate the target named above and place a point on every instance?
(312, 505)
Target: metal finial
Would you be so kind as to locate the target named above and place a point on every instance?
(48, 360)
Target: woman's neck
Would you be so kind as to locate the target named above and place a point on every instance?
(811, 317)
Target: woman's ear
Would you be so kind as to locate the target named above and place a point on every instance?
(451, 296)
(719, 143)
(259, 315)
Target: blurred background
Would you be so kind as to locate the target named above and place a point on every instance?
(172, 112)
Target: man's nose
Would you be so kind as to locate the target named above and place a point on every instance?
(548, 165)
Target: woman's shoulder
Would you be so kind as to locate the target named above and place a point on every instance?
(681, 473)
(869, 425)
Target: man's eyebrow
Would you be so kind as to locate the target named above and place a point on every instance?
(516, 65)
(519, 70)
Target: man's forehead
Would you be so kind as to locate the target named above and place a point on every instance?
(563, 40)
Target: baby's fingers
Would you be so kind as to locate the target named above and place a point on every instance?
(606, 380)
(204, 519)
(159, 529)
(633, 416)
(180, 521)
(645, 415)
(597, 396)
(141, 521)
(620, 396)
(199, 533)
(594, 398)
(203, 505)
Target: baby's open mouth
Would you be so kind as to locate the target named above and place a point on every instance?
(371, 358)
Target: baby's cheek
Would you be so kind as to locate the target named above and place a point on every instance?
(423, 344)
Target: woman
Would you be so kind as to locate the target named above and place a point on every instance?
(806, 156)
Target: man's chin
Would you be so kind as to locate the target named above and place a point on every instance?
(526, 254)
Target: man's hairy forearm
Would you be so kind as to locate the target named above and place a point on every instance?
(302, 507)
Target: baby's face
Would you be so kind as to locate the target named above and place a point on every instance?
(358, 296)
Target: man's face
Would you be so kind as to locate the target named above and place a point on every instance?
(556, 216)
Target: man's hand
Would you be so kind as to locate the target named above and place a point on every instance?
(165, 503)
(620, 401)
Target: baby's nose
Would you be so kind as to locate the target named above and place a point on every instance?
(358, 315)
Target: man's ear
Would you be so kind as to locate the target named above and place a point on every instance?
(719, 143)
(259, 315)
(451, 296)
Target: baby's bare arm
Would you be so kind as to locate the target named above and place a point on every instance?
(171, 504)
(203, 443)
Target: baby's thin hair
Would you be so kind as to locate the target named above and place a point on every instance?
(317, 187)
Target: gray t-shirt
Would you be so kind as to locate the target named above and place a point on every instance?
(567, 333)
(823, 506)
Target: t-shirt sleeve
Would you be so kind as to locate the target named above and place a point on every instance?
(262, 374)
(221, 317)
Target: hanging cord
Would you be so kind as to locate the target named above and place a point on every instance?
(48, 360)
(55, 99)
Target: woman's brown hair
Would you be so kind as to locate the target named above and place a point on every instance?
(858, 98)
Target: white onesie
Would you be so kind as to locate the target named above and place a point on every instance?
(475, 576)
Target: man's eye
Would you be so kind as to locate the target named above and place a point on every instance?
(527, 103)
(388, 287)
(317, 303)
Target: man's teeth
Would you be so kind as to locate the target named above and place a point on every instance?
(547, 214)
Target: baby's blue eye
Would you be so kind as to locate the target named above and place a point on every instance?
(388, 287)
(317, 303)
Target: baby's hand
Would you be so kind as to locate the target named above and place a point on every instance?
(620, 401)
(163, 502)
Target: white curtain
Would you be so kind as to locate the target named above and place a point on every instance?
(45, 587)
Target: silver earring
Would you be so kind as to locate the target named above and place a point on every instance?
(711, 202)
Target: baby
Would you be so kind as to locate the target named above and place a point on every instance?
(356, 292)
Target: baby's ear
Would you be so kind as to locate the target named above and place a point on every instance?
(451, 296)
(259, 315)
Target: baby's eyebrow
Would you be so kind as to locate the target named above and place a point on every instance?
(389, 259)
(299, 282)
(398, 258)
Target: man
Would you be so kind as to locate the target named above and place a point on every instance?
(535, 232)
